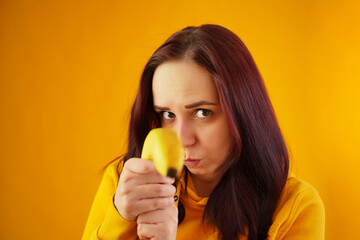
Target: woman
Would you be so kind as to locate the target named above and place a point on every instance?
(203, 83)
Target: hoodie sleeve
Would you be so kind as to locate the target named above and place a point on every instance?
(104, 221)
(301, 214)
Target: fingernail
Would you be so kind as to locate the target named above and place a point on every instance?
(175, 198)
(170, 180)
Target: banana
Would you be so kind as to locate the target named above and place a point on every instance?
(163, 147)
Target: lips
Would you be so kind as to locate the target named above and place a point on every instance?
(191, 163)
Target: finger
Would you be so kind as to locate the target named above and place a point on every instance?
(150, 178)
(151, 204)
(154, 191)
(140, 166)
(135, 192)
(145, 231)
(169, 213)
(157, 231)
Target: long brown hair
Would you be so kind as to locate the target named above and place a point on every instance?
(256, 170)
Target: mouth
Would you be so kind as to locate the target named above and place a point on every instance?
(191, 162)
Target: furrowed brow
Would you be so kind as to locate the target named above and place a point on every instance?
(161, 108)
(200, 103)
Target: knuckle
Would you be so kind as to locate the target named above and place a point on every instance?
(174, 214)
(173, 189)
(128, 207)
(159, 189)
(140, 230)
(176, 210)
(125, 178)
(171, 201)
(126, 198)
(156, 204)
(166, 230)
(175, 220)
(159, 203)
(126, 164)
(130, 164)
(123, 190)
(139, 219)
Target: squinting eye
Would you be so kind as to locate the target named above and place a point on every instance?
(167, 115)
(203, 113)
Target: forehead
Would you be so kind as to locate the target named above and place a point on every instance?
(182, 82)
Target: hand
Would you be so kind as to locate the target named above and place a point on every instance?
(159, 224)
(142, 189)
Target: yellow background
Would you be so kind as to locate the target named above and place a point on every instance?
(69, 72)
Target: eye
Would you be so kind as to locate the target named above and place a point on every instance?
(203, 113)
(167, 115)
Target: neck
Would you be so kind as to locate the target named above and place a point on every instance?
(204, 184)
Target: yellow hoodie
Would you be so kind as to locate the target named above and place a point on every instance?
(299, 214)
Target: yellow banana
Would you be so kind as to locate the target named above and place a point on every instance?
(163, 147)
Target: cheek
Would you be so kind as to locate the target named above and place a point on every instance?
(217, 141)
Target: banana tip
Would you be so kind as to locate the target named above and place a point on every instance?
(172, 172)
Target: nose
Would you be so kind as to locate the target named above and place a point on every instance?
(185, 132)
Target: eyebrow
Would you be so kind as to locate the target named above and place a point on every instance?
(192, 105)
(197, 104)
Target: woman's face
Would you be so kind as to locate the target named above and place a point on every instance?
(187, 101)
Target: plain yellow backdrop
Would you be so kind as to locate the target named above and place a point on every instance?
(69, 72)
